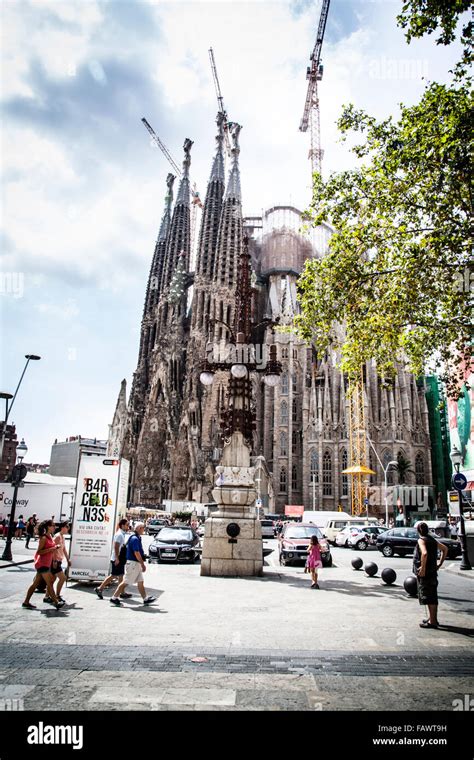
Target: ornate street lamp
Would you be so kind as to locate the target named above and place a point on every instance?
(19, 473)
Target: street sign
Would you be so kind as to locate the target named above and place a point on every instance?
(459, 481)
(258, 502)
(366, 502)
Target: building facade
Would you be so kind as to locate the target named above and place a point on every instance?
(171, 428)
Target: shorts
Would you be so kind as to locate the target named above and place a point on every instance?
(133, 573)
(55, 570)
(428, 590)
(43, 569)
(116, 569)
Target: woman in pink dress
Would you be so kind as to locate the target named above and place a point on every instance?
(314, 560)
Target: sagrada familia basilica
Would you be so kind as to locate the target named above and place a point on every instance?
(170, 427)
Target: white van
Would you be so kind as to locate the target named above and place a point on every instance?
(321, 517)
(334, 526)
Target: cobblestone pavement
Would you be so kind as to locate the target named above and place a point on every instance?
(239, 644)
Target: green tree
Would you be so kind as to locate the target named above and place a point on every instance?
(403, 468)
(397, 275)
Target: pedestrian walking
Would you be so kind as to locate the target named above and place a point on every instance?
(5, 524)
(20, 527)
(117, 560)
(43, 560)
(134, 568)
(425, 567)
(30, 531)
(61, 554)
(314, 560)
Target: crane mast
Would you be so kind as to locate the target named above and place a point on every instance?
(314, 73)
(220, 101)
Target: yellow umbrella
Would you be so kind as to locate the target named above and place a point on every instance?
(358, 469)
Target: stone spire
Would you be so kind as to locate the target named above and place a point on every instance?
(229, 244)
(118, 427)
(179, 239)
(155, 280)
(287, 310)
(212, 207)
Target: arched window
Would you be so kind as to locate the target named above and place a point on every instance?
(294, 478)
(283, 444)
(327, 474)
(345, 481)
(284, 384)
(294, 442)
(314, 467)
(283, 480)
(284, 353)
(387, 457)
(419, 470)
(284, 413)
(294, 379)
(294, 411)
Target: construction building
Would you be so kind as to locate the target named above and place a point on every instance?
(170, 427)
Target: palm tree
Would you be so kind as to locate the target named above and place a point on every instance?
(403, 468)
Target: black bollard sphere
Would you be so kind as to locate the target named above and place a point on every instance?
(357, 563)
(389, 576)
(410, 585)
(371, 569)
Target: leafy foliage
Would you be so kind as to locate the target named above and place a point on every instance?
(398, 274)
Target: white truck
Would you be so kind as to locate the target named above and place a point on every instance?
(48, 501)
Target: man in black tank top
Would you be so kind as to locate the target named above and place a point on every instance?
(426, 566)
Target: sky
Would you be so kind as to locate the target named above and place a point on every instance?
(83, 186)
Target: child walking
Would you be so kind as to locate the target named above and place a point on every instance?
(314, 560)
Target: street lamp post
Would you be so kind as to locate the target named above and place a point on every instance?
(459, 482)
(385, 471)
(8, 396)
(18, 475)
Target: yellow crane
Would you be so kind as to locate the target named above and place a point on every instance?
(358, 469)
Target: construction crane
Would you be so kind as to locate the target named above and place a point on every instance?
(195, 197)
(314, 74)
(220, 101)
(358, 469)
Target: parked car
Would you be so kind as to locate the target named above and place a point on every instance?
(402, 541)
(267, 529)
(201, 530)
(175, 544)
(155, 525)
(294, 542)
(359, 536)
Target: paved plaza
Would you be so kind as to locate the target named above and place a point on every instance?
(268, 643)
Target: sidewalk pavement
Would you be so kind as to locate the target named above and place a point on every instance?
(234, 644)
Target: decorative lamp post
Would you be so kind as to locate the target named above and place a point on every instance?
(459, 483)
(19, 473)
(8, 396)
(235, 548)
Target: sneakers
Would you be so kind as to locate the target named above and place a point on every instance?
(99, 593)
(126, 596)
(149, 600)
(59, 605)
(117, 602)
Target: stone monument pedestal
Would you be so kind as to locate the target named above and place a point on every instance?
(233, 539)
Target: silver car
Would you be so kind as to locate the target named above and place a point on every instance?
(267, 529)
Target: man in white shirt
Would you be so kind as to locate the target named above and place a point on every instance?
(117, 560)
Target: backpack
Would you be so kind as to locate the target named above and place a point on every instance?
(123, 553)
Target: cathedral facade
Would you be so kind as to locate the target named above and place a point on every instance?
(170, 429)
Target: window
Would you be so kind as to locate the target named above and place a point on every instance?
(294, 478)
(284, 413)
(345, 483)
(284, 353)
(283, 445)
(314, 467)
(419, 470)
(294, 442)
(283, 480)
(327, 474)
(284, 384)
(294, 411)
(387, 457)
(294, 382)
